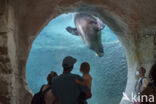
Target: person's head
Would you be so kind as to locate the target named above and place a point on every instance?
(68, 64)
(50, 76)
(142, 71)
(152, 73)
(85, 68)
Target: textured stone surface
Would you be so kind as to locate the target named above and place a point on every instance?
(155, 48)
(3, 12)
(6, 69)
(4, 96)
(134, 22)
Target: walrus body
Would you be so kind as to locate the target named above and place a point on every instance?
(89, 28)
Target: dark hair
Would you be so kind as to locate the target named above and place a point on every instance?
(152, 73)
(142, 69)
(85, 67)
(50, 76)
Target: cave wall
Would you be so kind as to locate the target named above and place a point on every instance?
(7, 53)
(155, 48)
(134, 22)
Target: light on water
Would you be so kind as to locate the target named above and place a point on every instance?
(109, 72)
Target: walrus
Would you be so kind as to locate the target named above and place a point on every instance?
(88, 27)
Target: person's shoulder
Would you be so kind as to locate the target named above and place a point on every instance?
(75, 75)
(43, 87)
(145, 79)
(88, 76)
(55, 78)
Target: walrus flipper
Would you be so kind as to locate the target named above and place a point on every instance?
(73, 31)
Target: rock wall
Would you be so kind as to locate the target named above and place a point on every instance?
(134, 22)
(6, 69)
(155, 48)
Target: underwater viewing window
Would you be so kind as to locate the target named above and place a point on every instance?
(109, 73)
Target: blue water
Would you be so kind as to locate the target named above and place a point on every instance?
(109, 73)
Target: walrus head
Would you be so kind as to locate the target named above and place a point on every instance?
(89, 28)
(93, 37)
